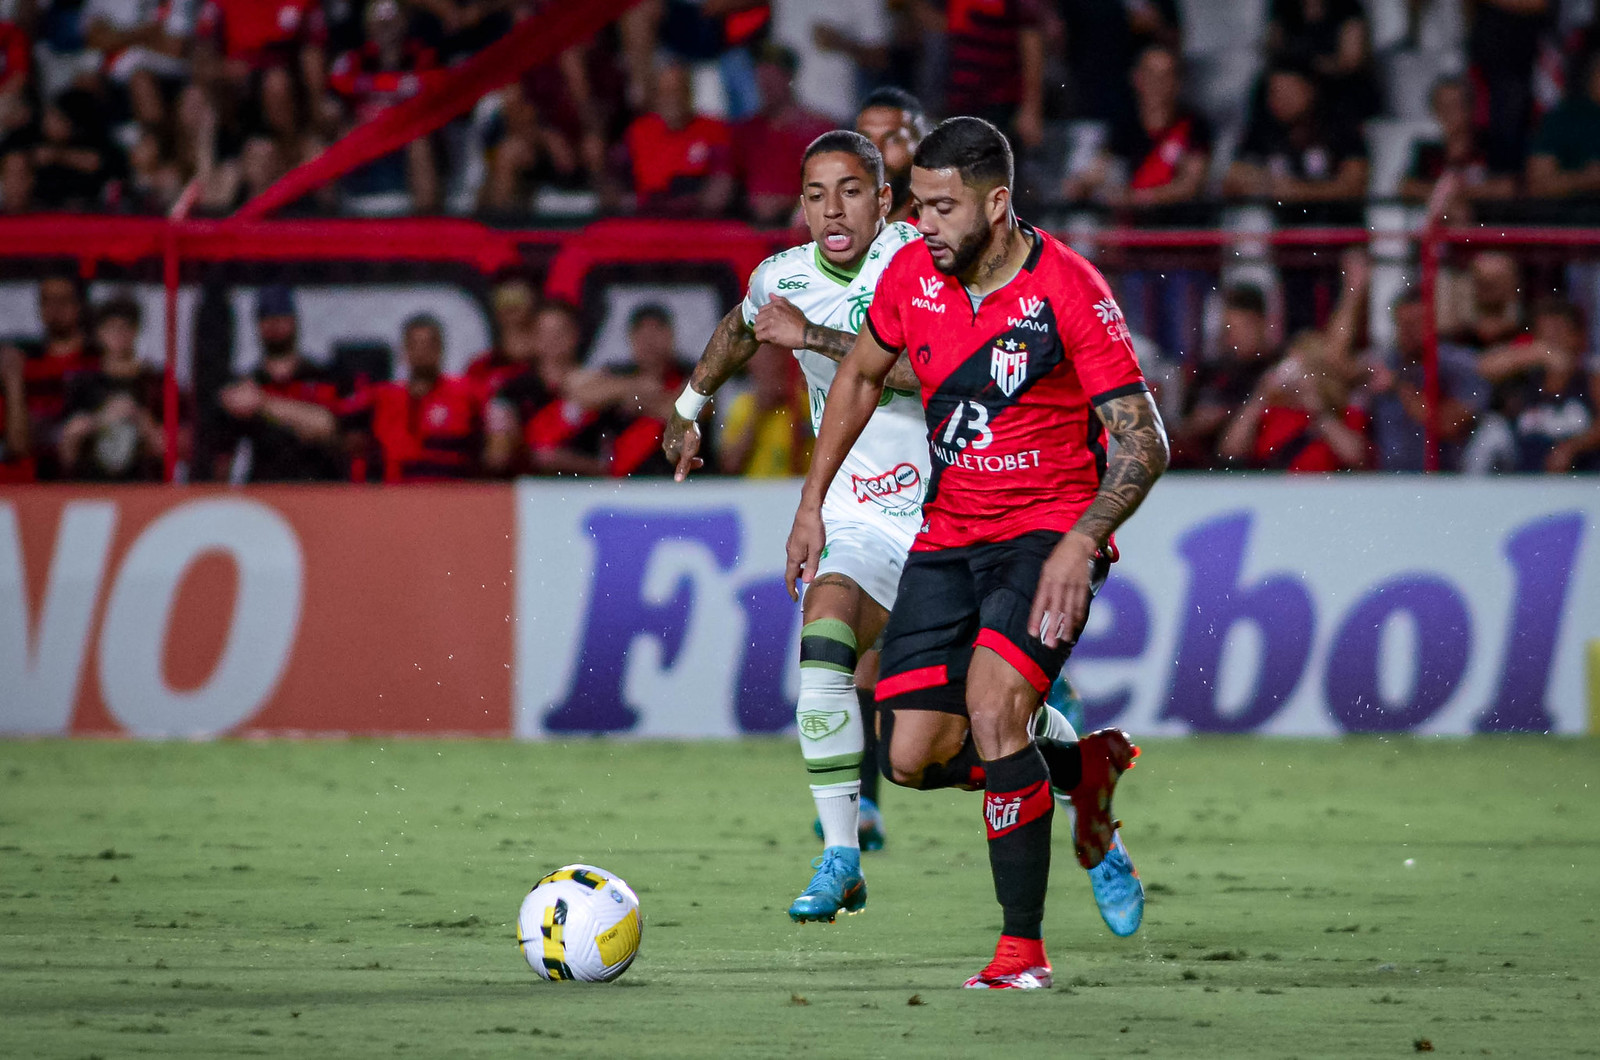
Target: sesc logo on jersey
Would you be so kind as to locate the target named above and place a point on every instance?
(1008, 365)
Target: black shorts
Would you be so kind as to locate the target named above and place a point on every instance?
(954, 599)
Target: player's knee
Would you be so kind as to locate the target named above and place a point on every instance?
(997, 718)
(903, 768)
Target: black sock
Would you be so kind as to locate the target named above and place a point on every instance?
(869, 748)
(1065, 762)
(1017, 811)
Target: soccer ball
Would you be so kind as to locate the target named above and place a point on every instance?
(580, 923)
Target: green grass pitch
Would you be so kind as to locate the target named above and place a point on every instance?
(1362, 898)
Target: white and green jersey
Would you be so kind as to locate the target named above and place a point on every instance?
(886, 473)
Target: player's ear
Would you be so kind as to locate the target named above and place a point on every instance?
(997, 203)
(885, 200)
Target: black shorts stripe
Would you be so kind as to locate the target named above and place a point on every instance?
(1121, 391)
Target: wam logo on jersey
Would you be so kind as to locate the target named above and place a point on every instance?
(1008, 364)
(930, 291)
(1031, 308)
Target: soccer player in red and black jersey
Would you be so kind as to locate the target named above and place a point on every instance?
(1025, 366)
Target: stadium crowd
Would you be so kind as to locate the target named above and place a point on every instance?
(700, 108)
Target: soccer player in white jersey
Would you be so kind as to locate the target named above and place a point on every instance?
(812, 299)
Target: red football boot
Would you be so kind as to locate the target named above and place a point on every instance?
(1107, 754)
(1019, 964)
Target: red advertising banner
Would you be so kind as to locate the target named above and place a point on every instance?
(203, 612)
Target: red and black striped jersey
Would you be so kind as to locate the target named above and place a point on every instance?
(1007, 388)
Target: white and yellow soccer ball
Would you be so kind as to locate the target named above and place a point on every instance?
(579, 923)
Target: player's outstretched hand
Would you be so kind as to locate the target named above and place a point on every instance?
(781, 324)
(681, 441)
(806, 540)
(1062, 602)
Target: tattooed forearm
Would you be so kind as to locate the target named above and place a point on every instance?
(730, 349)
(1140, 459)
(835, 344)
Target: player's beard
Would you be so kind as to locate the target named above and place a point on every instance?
(965, 254)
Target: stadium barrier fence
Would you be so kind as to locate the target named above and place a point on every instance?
(545, 609)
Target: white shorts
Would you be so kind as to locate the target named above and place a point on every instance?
(868, 555)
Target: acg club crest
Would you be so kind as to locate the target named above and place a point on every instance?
(1008, 364)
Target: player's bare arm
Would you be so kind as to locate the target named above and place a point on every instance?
(781, 323)
(1060, 605)
(730, 349)
(852, 399)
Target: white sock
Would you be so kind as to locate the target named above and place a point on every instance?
(839, 809)
(1051, 724)
(828, 716)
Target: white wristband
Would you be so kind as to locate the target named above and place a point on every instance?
(691, 403)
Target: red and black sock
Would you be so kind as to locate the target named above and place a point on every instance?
(1017, 809)
(869, 747)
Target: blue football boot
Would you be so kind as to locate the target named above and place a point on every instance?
(837, 885)
(869, 831)
(1117, 889)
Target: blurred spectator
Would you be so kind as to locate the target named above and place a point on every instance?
(515, 348)
(895, 121)
(389, 68)
(1550, 419)
(142, 47)
(1163, 151)
(840, 44)
(767, 147)
(1502, 48)
(1297, 152)
(996, 64)
(457, 29)
(1460, 151)
(1494, 312)
(680, 160)
(430, 427)
(76, 166)
(1313, 164)
(16, 183)
(267, 62)
(699, 33)
(765, 433)
(64, 351)
(283, 412)
(1398, 387)
(637, 398)
(16, 461)
(1565, 160)
(1301, 416)
(525, 153)
(1222, 386)
(112, 427)
(16, 65)
(1104, 39)
(532, 426)
(1330, 38)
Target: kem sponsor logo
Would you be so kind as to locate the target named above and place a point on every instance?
(899, 490)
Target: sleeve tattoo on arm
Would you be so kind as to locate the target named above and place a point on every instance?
(1140, 459)
(730, 349)
(835, 345)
